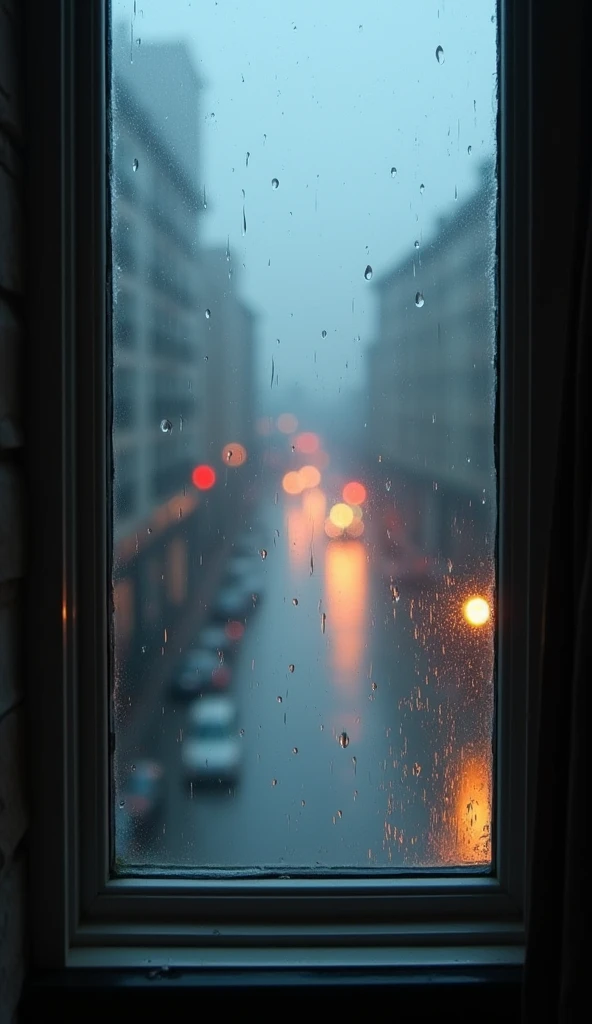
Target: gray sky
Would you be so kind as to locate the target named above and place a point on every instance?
(327, 96)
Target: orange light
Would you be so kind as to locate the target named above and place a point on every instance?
(292, 483)
(314, 504)
(287, 423)
(476, 611)
(332, 530)
(354, 493)
(234, 454)
(355, 528)
(203, 477)
(341, 515)
(307, 443)
(309, 476)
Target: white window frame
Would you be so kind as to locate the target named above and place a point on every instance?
(82, 917)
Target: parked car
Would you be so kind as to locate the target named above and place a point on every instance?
(211, 748)
(200, 671)
(233, 601)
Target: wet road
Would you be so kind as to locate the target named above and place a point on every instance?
(370, 752)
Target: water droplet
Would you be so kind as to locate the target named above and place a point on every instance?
(439, 55)
(374, 687)
(303, 803)
(242, 732)
(149, 529)
(122, 803)
(294, 750)
(279, 700)
(275, 183)
(469, 150)
(368, 273)
(393, 172)
(247, 159)
(263, 553)
(323, 334)
(456, 192)
(291, 668)
(416, 244)
(421, 189)
(136, 164)
(294, 601)
(419, 299)
(343, 740)
(208, 314)
(340, 814)
(323, 622)
(166, 426)
(144, 649)
(274, 782)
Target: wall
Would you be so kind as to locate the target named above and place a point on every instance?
(13, 816)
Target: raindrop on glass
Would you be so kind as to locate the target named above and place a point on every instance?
(166, 426)
(242, 732)
(122, 803)
(274, 782)
(439, 55)
(323, 622)
(343, 740)
(374, 687)
(275, 183)
(136, 164)
(208, 314)
(421, 189)
(393, 172)
(368, 273)
(291, 668)
(469, 150)
(294, 750)
(263, 553)
(419, 299)
(294, 601)
(279, 700)
(416, 244)
(323, 334)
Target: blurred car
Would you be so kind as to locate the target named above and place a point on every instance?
(234, 600)
(221, 639)
(200, 671)
(141, 798)
(211, 749)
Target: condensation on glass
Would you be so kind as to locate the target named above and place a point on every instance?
(304, 497)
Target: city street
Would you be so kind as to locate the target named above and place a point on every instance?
(363, 736)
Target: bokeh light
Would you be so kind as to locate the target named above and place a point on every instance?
(341, 515)
(292, 483)
(309, 476)
(332, 530)
(307, 443)
(476, 611)
(234, 630)
(203, 477)
(355, 528)
(287, 423)
(234, 454)
(354, 493)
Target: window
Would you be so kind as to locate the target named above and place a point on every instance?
(474, 913)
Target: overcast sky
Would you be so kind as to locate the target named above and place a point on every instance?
(327, 96)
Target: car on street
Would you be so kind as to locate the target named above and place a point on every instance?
(211, 748)
(201, 670)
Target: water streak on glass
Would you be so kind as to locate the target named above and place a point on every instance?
(304, 495)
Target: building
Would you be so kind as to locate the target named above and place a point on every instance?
(431, 377)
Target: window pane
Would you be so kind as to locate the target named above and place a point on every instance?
(304, 321)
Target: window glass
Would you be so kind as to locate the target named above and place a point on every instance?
(304, 320)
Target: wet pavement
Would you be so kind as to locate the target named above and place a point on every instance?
(363, 724)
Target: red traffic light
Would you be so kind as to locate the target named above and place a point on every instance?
(203, 477)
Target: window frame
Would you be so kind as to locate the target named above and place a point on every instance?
(359, 922)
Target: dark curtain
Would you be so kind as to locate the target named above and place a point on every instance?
(558, 879)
